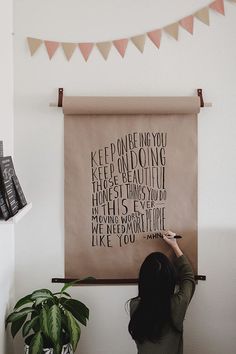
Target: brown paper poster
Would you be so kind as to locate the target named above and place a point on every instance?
(130, 172)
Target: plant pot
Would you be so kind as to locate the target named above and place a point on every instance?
(66, 349)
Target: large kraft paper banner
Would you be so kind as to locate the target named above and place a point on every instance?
(130, 172)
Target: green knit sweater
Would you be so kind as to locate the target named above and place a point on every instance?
(172, 340)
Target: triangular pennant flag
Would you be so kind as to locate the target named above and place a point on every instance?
(86, 49)
(121, 45)
(218, 6)
(104, 48)
(173, 30)
(51, 48)
(155, 37)
(69, 49)
(139, 41)
(34, 44)
(203, 15)
(187, 23)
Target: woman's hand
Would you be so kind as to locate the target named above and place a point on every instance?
(168, 237)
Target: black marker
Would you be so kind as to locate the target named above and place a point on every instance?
(170, 237)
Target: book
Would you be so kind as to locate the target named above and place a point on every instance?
(1, 148)
(19, 192)
(10, 187)
(4, 211)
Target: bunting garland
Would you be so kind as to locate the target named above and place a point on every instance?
(138, 41)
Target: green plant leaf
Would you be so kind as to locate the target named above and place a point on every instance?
(57, 349)
(16, 315)
(45, 293)
(76, 313)
(63, 300)
(79, 307)
(36, 324)
(43, 318)
(29, 325)
(68, 285)
(54, 323)
(16, 325)
(39, 300)
(36, 344)
(23, 301)
(64, 293)
(74, 330)
(64, 321)
(77, 281)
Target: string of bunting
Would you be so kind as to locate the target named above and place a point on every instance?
(121, 44)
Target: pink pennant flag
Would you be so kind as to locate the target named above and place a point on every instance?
(51, 48)
(187, 23)
(86, 49)
(121, 45)
(218, 6)
(155, 37)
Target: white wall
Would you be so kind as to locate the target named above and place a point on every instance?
(6, 134)
(206, 60)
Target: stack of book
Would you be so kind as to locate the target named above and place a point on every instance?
(12, 198)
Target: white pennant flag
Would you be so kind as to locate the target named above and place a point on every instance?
(139, 42)
(104, 48)
(34, 44)
(173, 30)
(68, 49)
(203, 15)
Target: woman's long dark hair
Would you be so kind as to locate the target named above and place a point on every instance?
(155, 288)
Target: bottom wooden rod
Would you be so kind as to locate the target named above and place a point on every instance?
(108, 281)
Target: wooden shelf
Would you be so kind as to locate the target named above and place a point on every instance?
(16, 218)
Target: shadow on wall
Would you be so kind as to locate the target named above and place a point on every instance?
(209, 322)
(8, 343)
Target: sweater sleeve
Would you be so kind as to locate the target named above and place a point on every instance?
(183, 296)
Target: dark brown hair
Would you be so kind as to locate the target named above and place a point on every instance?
(155, 288)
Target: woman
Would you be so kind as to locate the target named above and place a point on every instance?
(157, 314)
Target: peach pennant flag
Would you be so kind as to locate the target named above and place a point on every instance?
(155, 37)
(218, 6)
(187, 23)
(104, 48)
(173, 30)
(51, 48)
(69, 49)
(34, 44)
(139, 41)
(203, 15)
(85, 49)
(121, 45)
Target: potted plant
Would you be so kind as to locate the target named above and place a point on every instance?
(50, 322)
